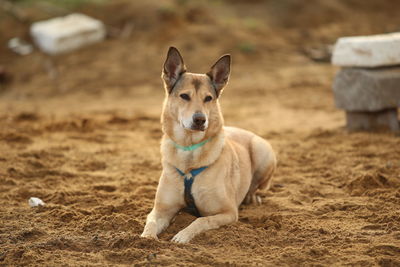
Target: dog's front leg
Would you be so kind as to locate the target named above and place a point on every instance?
(157, 221)
(167, 203)
(203, 224)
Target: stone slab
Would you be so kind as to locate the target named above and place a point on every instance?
(367, 51)
(367, 89)
(373, 121)
(64, 34)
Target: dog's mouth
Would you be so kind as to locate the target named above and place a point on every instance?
(194, 128)
(198, 128)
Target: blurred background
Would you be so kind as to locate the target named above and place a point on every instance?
(281, 50)
(262, 35)
(81, 131)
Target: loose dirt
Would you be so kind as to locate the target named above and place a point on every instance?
(81, 131)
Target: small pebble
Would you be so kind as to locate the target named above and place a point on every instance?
(34, 202)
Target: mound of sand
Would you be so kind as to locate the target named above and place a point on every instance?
(81, 131)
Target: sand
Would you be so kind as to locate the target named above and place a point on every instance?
(81, 131)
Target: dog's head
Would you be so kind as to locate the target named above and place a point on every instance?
(192, 99)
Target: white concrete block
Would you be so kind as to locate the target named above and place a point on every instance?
(357, 89)
(63, 34)
(367, 51)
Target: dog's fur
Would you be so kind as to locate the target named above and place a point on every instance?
(239, 162)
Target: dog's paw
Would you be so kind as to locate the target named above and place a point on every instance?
(148, 235)
(258, 200)
(182, 237)
(253, 199)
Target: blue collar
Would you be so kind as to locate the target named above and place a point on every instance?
(191, 147)
(188, 182)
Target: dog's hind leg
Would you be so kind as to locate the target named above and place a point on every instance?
(264, 164)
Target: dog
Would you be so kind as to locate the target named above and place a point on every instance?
(208, 169)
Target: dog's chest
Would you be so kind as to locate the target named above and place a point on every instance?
(206, 197)
(187, 160)
(203, 193)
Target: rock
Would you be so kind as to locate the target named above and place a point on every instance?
(320, 53)
(373, 121)
(20, 46)
(367, 89)
(34, 202)
(67, 33)
(367, 51)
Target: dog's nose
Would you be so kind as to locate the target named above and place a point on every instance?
(199, 119)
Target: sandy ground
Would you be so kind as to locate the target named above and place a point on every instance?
(81, 131)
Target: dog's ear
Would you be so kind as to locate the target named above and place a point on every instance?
(219, 73)
(173, 68)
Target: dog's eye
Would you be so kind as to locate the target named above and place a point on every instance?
(185, 97)
(207, 99)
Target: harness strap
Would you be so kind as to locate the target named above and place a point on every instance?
(188, 182)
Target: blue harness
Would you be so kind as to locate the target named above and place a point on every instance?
(188, 182)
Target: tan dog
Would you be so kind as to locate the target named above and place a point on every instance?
(208, 167)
